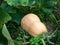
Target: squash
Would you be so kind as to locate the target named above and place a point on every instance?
(33, 25)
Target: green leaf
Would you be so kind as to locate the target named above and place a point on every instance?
(47, 10)
(13, 2)
(17, 2)
(36, 40)
(32, 2)
(7, 8)
(52, 3)
(58, 3)
(16, 18)
(21, 2)
(24, 2)
(4, 17)
(7, 35)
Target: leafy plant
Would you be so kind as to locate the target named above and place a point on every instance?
(7, 35)
(11, 13)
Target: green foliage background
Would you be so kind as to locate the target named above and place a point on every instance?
(11, 13)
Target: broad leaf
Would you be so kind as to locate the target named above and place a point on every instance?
(7, 8)
(7, 35)
(4, 17)
(21, 2)
(16, 18)
(17, 2)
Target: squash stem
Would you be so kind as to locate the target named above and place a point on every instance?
(43, 41)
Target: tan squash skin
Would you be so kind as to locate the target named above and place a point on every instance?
(32, 24)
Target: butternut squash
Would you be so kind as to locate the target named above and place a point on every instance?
(32, 24)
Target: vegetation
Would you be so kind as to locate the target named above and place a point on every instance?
(11, 13)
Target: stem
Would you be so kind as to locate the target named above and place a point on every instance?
(43, 41)
(26, 43)
(49, 41)
(36, 44)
